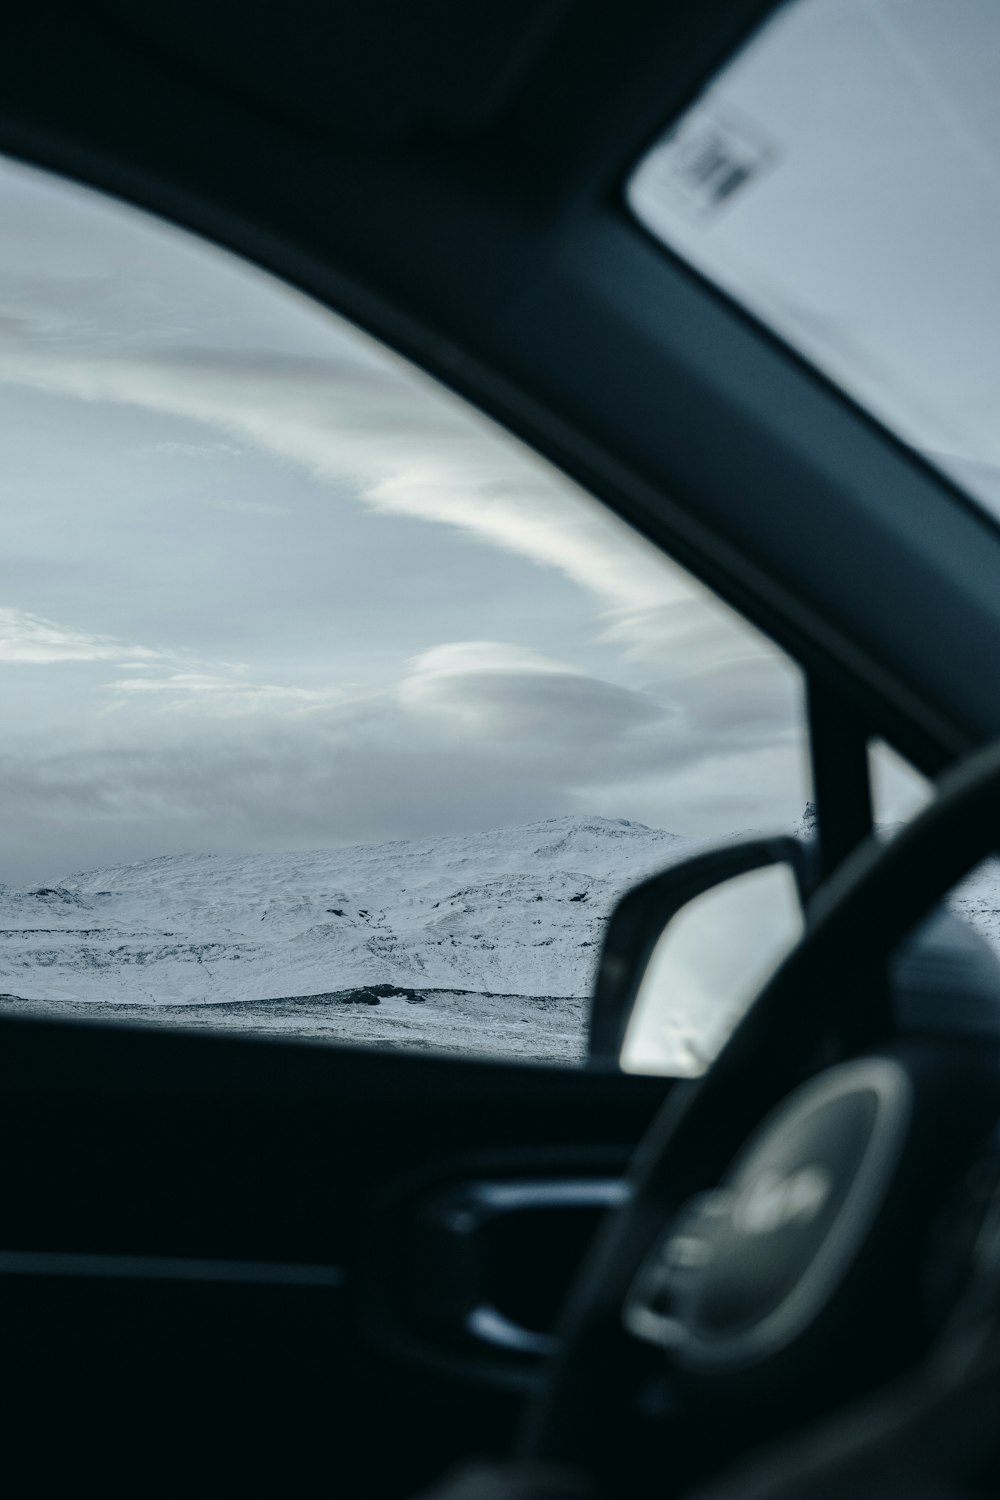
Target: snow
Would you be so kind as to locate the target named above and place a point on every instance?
(977, 900)
(482, 942)
(489, 938)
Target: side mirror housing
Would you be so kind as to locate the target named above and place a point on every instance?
(686, 951)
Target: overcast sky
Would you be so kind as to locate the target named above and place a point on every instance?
(263, 587)
(867, 229)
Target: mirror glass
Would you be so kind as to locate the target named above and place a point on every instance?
(706, 968)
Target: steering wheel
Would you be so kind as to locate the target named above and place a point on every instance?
(793, 1234)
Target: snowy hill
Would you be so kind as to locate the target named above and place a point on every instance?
(480, 942)
(518, 911)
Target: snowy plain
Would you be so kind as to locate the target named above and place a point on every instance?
(478, 943)
(482, 942)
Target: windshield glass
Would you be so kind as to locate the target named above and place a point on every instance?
(841, 178)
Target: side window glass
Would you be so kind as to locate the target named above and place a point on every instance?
(331, 710)
(899, 791)
(971, 907)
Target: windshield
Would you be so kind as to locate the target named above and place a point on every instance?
(841, 178)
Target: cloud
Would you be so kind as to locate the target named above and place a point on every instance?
(469, 725)
(401, 446)
(471, 733)
(30, 639)
(193, 450)
(461, 658)
(219, 694)
(468, 720)
(493, 689)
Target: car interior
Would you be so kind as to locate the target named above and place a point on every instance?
(248, 1266)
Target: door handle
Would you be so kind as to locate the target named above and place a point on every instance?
(493, 1258)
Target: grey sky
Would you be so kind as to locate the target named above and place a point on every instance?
(262, 586)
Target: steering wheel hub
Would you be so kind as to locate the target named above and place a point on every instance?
(744, 1269)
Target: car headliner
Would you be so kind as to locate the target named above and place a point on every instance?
(449, 176)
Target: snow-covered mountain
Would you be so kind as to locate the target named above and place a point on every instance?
(517, 911)
(480, 942)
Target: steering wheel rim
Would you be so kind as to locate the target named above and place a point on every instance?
(853, 924)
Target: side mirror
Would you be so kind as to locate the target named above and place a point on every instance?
(686, 952)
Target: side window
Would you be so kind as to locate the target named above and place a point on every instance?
(331, 711)
(899, 792)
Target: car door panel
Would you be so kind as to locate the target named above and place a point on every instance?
(219, 1235)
